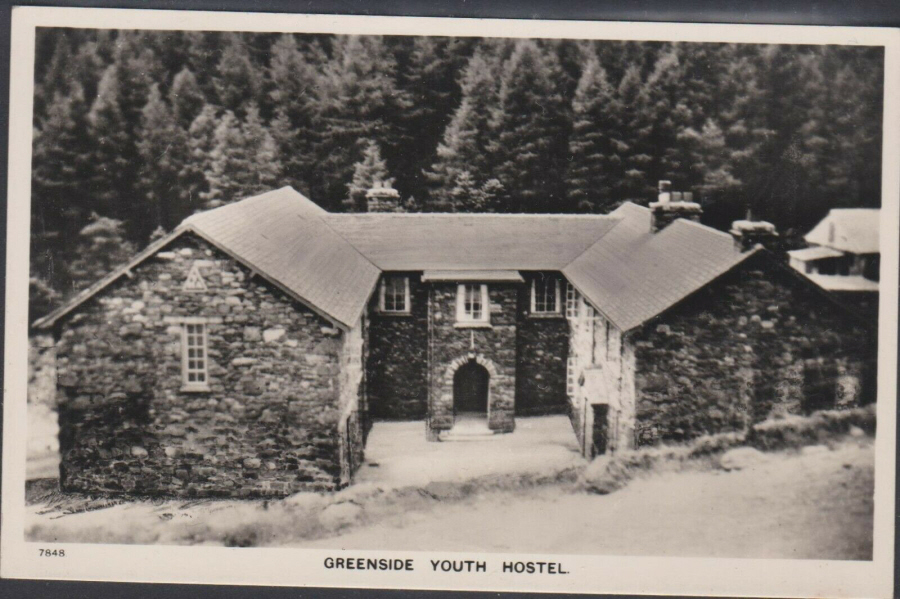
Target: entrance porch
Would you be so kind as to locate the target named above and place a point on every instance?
(397, 454)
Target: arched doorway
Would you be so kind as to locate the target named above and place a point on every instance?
(470, 389)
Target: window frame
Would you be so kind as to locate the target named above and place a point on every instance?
(462, 316)
(186, 370)
(573, 301)
(571, 367)
(556, 297)
(383, 291)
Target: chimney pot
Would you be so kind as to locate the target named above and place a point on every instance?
(672, 206)
(749, 233)
(382, 197)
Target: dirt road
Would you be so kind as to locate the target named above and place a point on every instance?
(812, 505)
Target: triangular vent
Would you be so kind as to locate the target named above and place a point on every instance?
(194, 281)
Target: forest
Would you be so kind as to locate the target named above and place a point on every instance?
(135, 130)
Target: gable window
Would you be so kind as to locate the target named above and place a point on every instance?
(572, 297)
(394, 294)
(194, 357)
(570, 377)
(545, 295)
(472, 303)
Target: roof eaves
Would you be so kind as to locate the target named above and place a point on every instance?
(330, 318)
(84, 295)
(628, 327)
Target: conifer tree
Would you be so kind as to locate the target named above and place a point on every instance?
(464, 146)
(631, 141)
(468, 196)
(192, 176)
(243, 161)
(295, 79)
(237, 81)
(113, 159)
(530, 145)
(359, 99)
(102, 246)
(186, 98)
(162, 147)
(366, 172)
(593, 162)
(60, 167)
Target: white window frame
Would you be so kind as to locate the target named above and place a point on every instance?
(464, 317)
(556, 306)
(572, 301)
(201, 372)
(406, 303)
(571, 365)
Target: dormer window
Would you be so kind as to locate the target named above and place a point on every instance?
(394, 294)
(472, 304)
(545, 295)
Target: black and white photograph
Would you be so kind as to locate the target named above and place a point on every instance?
(375, 293)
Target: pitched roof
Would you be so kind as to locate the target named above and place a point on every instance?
(843, 282)
(632, 275)
(814, 253)
(855, 230)
(282, 236)
(332, 262)
(470, 241)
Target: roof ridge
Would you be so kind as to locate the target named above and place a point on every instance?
(470, 214)
(702, 226)
(618, 220)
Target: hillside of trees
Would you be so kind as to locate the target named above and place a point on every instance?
(134, 131)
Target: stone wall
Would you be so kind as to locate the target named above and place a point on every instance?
(542, 348)
(268, 424)
(750, 346)
(352, 399)
(396, 367)
(493, 346)
(604, 372)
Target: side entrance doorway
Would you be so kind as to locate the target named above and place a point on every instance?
(470, 390)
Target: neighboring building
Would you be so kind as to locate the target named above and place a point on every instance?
(247, 352)
(843, 253)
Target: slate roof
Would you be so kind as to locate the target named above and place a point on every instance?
(470, 241)
(855, 230)
(814, 253)
(332, 262)
(631, 275)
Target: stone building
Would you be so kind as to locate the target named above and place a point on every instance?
(248, 352)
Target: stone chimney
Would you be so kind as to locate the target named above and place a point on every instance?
(748, 233)
(382, 197)
(671, 206)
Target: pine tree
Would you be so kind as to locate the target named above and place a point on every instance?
(103, 245)
(593, 163)
(359, 99)
(60, 168)
(192, 176)
(430, 78)
(631, 140)
(295, 80)
(531, 141)
(464, 145)
(468, 196)
(186, 98)
(243, 161)
(238, 81)
(162, 147)
(114, 156)
(366, 172)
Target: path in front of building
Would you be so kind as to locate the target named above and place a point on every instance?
(397, 454)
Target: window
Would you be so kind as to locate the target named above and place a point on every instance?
(570, 377)
(194, 358)
(572, 297)
(394, 294)
(545, 295)
(472, 303)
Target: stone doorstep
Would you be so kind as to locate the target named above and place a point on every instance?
(468, 427)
